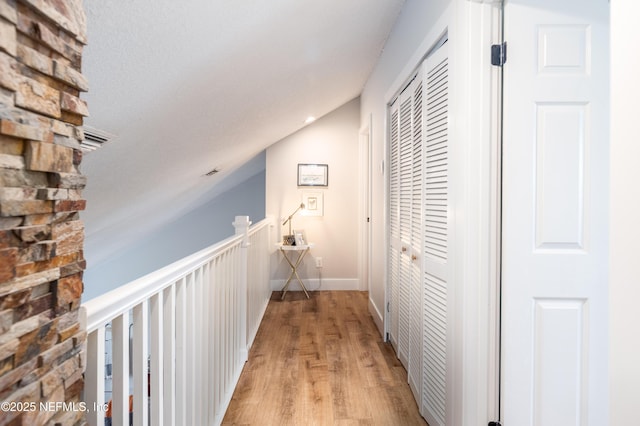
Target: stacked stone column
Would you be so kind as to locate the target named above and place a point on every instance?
(41, 234)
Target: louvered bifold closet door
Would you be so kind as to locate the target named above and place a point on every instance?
(405, 184)
(415, 303)
(436, 237)
(394, 221)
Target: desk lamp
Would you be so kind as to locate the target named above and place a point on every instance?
(289, 240)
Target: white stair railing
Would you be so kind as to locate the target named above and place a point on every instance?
(187, 327)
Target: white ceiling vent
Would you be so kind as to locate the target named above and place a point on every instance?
(94, 139)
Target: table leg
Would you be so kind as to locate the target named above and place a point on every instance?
(294, 272)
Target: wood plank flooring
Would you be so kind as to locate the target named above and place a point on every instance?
(321, 361)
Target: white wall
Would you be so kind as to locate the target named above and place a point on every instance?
(202, 227)
(415, 22)
(624, 278)
(332, 140)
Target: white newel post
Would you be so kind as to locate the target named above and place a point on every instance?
(241, 224)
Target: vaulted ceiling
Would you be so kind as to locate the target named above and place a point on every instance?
(192, 86)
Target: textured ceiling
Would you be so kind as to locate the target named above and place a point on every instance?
(189, 86)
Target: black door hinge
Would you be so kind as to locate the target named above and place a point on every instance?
(494, 424)
(499, 54)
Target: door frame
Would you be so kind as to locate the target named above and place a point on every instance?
(364, 213)
(476, 164)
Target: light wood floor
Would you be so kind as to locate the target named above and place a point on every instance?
(321, 362)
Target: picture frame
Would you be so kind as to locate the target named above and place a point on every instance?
(313, 174)
(300, 237)
(313, 203)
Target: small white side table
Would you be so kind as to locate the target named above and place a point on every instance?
(294, 263)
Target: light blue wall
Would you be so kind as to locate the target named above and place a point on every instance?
(196, 230)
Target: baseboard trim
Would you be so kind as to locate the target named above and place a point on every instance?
(377, 316)
(319, 284)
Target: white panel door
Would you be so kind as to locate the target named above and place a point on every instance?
(555, 172)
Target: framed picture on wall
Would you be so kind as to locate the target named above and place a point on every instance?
(313, 175)
(313, 203)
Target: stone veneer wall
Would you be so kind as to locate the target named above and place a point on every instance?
(41, 235)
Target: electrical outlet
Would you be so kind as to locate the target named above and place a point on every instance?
(318, 262)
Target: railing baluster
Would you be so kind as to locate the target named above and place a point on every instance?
(204, 359)
(120, 339)
(218, 307)
(94, 383)
(240, 332)
(169, 370)
(228, 345)
(212, 344)
(181, 352)
(156, 354)
(140, 364)
(197, 348)
(191, 354)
